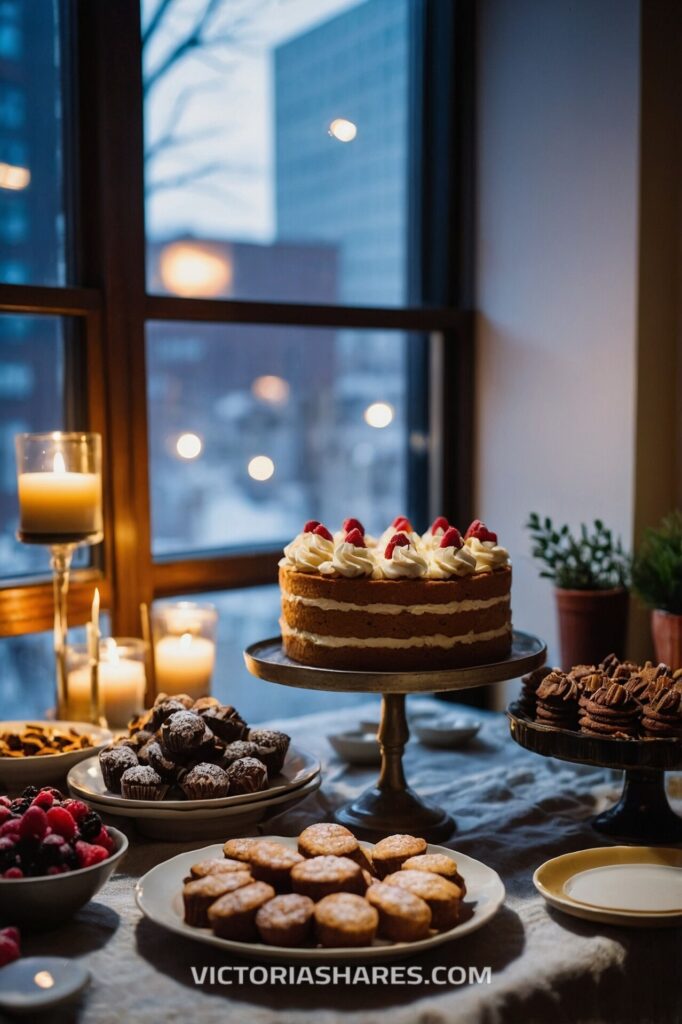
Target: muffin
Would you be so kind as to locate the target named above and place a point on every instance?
(345, 919)
(318, 877)
(269, 739)
(236, 750)
(390, 853)
(442, 897)
(435, 863)
(136, 740)
(272, 862)
(114, 761)
(201, 703)
(163, 709)
(198, 895)
(142, 783)
(247, 775)
(216, 866)
(286, 920)
(233, 916)
(240, 849)
(183, 732)
(205, 781)
(225, 721)
(403, 917)
(327, 839)
(162, 765)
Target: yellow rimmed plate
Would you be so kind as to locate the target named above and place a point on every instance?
(635, 886)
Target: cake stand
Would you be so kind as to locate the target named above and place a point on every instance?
(391, 805)
(643, 814)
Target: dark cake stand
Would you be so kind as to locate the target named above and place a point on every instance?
(643, 814)
(390, 805)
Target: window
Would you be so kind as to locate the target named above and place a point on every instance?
(227, 264)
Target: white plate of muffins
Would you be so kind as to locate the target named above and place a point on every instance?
(321, 896)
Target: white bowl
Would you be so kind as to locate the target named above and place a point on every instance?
(48, 769)
(356, 747)
(445, 731)
(48, 899)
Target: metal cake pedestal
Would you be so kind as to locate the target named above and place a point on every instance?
(643, 814)
(391, 805)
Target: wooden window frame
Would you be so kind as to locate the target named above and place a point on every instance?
(113, 308)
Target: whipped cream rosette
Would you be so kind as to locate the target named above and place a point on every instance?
(350, 559)
(309, 550)
(401, 560)
(348, 526)
(434, 535)
(482, 543)
(451, 558)
(401, 524)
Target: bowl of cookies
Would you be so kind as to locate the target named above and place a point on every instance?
(42, 753)
(322, 895)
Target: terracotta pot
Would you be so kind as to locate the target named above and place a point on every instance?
(592, 624)
(666, 630)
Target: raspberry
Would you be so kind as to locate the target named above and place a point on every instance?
(480, 531)
(9, 946)
(61, 822)
(76, 808)
(90, 826)
(322, 531)
(5, 801)
(353, 524)
(57, 869)
(5, 814)
(310, 526)
(14, 872)
(452, 538)
(43, 800)
(355, 537)
(11, 827)
(33, 825)
(440, 523)
(398, 540)
(89, 854)
(11, 933)
(402, 524)
(105, 840)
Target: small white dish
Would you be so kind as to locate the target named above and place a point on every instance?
(444, 731)
(639, 886)
(49, 769)
(163, 824)
(159, 897)
(356, 747)
(36, 983)
(49, 899)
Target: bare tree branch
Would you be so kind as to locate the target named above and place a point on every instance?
(155, 20)
(194, 39)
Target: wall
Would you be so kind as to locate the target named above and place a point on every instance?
(557, 236)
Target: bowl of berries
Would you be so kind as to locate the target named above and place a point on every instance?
(55, 854)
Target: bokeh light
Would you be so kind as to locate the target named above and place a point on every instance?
(343, 129)
(261, 467)
(379, 414)
(189, 446)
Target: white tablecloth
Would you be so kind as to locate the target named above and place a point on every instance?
(513, 811)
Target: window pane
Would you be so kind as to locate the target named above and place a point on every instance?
(253, 430)
(245, 616)
(276, 149)
(32, 398)
(31, 200)
(27, 672)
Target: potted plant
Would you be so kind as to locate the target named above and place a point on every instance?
(657, 579)
(590, 573)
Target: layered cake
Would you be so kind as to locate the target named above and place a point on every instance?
(402, 601)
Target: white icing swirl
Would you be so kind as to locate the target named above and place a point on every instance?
(430, 541)
(348, 560)
(405, 562)
(414, 539)
(450, 561)
(488, 554)
(307, 552)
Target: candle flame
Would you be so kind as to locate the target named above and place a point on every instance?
(58, 464)
(186, 640)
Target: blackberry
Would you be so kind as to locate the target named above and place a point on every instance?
(8, 853)
(90, 826)
(52, 850)
(30, 793)
(20, 805)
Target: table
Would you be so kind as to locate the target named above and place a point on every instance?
(514, 810)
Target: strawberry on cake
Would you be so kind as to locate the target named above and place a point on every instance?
(404, 601)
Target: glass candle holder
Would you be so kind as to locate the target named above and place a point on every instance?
(184, 635)
(121, 681)
(59, 482)
(59, 479)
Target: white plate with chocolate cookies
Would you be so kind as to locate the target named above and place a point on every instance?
(321, 896)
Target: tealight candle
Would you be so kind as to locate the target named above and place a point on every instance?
(184, 647)
(122, 681)
(59, 487)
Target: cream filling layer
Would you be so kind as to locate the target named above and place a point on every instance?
(435, 640)
(328, 604)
